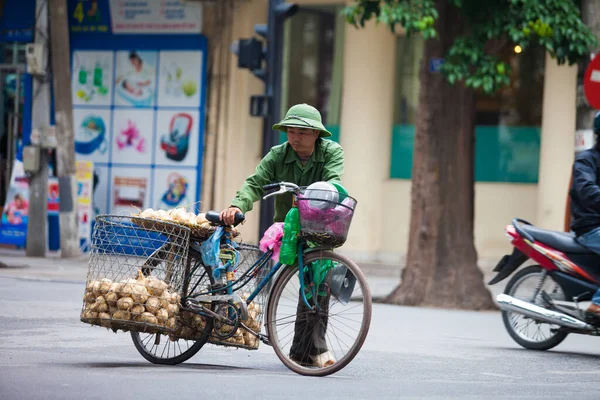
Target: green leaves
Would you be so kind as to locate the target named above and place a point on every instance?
(553, 24)
(415, 16)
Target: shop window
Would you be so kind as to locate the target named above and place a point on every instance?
(508, 123)
(12, 53)
(313, 60)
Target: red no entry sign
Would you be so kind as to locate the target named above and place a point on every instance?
(591, 83)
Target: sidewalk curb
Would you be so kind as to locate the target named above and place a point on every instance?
(38, 279)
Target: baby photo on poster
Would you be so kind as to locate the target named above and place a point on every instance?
(132, 136)
(135, 80)
(177, 135)
(92, 134)
(92, 78)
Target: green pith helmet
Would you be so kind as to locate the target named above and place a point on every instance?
(597, 123)
(302, 116)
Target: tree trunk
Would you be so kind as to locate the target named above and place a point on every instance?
(65, 152)
(441, 268)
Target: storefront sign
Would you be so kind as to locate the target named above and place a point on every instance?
(88, 16)
(155, 17)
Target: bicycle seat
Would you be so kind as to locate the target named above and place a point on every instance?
(215, 218)
(563, 241)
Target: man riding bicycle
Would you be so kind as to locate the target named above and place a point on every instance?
(304, 159)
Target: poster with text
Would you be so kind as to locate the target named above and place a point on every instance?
(135, 78)
(177, 138)
(92, 78)
(180, 79)
(174, 188)
(92, 134)
(174, 16)
(85, 181)
(100, 185)
(130, 190)
(133, 136)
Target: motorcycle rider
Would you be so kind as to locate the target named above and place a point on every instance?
(585, 202)
(304, 159)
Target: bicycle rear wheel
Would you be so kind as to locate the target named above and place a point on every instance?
(304, 338)
(160, 349)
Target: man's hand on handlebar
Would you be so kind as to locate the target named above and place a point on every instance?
(228, 215)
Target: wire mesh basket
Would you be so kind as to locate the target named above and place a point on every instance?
(325, 216)
(135, 274)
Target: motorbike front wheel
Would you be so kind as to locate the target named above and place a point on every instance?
(527, 285)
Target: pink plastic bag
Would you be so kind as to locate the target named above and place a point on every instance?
(272, 240)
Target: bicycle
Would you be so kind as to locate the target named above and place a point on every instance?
(212, 295)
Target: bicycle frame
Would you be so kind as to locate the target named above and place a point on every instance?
(234, 285)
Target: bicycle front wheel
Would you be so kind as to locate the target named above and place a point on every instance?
(322, 339)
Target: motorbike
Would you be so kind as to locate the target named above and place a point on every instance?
(545, 302)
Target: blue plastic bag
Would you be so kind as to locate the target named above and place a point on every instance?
(211, 248)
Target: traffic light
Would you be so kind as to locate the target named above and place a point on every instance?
(251, 52)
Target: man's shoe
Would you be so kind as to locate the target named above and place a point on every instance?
(324, 359)
(594, 309)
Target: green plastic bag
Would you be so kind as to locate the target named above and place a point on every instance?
(289, 243)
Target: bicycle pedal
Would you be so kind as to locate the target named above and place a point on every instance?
(265, 339)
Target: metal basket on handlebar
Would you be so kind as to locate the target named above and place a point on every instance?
(325, 216)
(135, 274)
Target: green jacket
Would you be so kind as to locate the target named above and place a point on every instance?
(282, 164)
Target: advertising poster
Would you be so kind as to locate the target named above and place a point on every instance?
(176, 16)
(92, 133)
(13, 224)
(180, 73)
(52, 196)
(84, 176)
(139, 89)
(174, 188)
(135, 81)
(130, 191)
(132, 136)
(177, 138)
(92, 78)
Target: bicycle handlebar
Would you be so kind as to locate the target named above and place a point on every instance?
(283, 188)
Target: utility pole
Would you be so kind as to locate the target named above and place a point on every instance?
(63, 106)
(40, 116)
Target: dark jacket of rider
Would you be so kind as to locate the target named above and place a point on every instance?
(585, 188)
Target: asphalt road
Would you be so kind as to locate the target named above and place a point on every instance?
(46, 352)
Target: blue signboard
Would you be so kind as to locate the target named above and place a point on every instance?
(139, 102)
(17, 21)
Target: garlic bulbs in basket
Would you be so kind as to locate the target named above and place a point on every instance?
(144, 300)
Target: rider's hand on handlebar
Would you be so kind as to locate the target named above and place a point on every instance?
(228, 215)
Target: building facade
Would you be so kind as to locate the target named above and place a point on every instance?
(365, 82)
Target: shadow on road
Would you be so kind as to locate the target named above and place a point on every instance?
(114, 365)
(556, 352)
